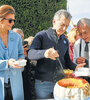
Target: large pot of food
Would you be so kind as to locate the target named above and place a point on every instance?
(72, 89)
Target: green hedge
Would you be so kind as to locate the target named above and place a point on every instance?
(33, 16)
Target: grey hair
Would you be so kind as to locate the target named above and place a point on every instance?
(61, 12)
(83, 21)
(18, 29)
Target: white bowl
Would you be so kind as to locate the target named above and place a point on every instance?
(82, 72)
(21, 62)
(83, 69)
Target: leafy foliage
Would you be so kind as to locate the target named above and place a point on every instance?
(33, 16)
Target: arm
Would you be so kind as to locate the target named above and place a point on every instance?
(34, 54)
(68, 61)
(37, 51)
(77, 53)
(70, 64)
(19, 53)
(20, 49)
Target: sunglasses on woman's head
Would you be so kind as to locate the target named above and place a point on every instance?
(10, 20)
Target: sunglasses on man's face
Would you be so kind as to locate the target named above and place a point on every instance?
(10, 20)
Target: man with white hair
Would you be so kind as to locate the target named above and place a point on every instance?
(19, 31)
(48, 46)
(82, 46)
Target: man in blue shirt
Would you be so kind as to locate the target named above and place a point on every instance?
(47, 46)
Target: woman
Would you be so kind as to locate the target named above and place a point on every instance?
(73, 36)
(10, 50)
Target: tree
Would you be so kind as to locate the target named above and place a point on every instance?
(33, 16)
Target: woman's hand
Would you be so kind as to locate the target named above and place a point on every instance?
(11, 62)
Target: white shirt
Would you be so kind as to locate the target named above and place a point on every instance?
(76, 50)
